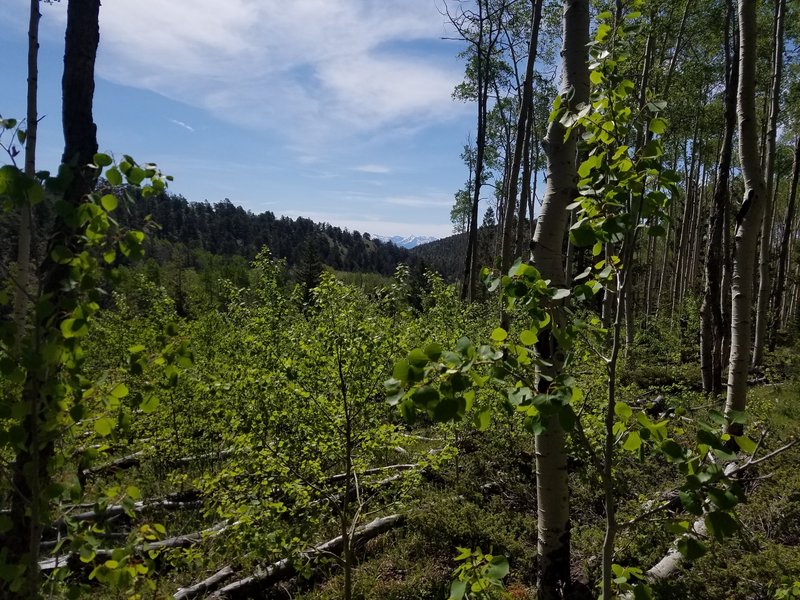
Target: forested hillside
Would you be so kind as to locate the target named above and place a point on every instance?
(227, 230)
(593, 394)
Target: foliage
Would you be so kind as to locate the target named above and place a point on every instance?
(479, 576)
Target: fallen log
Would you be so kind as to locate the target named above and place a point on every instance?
(116, 510)
(342, 476)
(135, 459)
(124, 462)
(193, 591)
(669, 563)
(180, 541)
(284, 568)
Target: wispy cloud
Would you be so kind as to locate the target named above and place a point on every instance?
(315, 70)
(182, 124)
(420, 201)
(377, 169)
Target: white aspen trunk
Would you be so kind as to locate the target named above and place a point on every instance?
(764, 286)
(21, 301)
(748, 220)
(553, 569)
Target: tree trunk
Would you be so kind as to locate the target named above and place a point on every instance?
(748, 220)
(553, 571)
(780, 288)
(519, 143)
(30, 469)
(21, 301)
(764, 286)
(712, 328)
(525, 197)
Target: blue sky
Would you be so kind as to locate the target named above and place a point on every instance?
(336, 110)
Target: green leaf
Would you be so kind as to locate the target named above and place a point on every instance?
(417, 358)
(658, 126)
(102, 160)
(433, 351)
(721, 524)
(498, 568)
(672, 449)
(61, 254)
(457, 590)
(642, 591)
(691, 548)
(723, 499)
(135, 175)
(567, 417)
(583, 235)
(622, 410)
(709, 439)
(104, 426)
(109, 202)
(447, 409)
(590, 163)
(71, 328)
(400, 371)
(149, 404)
(120, 390)
(499, 334)
(425, 395)
(633, 442)
(113, 176)
(87, 554)
(528, 337)
(746, 444)
(482, 419)
(561, 293)
(737, 416)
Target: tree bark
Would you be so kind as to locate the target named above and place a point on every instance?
(519, 143)
(21, 300)
(30, 473)
(712, 324)
(553, 569)
(780, 288)
(244, 588)
(748, 220)
(764, 286)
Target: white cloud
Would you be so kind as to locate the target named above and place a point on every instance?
(312, 70)
(182, 124)
(377, 169)
(420, 201)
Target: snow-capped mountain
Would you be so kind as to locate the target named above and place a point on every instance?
(409, 241)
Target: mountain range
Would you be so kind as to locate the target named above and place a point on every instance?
(408, 242)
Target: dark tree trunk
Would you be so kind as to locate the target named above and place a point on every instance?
(780, 289)
(30, 469)
(712, 325)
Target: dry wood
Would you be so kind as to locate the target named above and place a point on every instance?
(180, 541)
(135, 459)
(283, 568)
(342, 476)
(668, 565)
(193, 591)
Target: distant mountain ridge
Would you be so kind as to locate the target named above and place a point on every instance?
(408, 242)
(227, 229)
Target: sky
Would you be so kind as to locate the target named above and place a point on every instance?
(336, 110)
